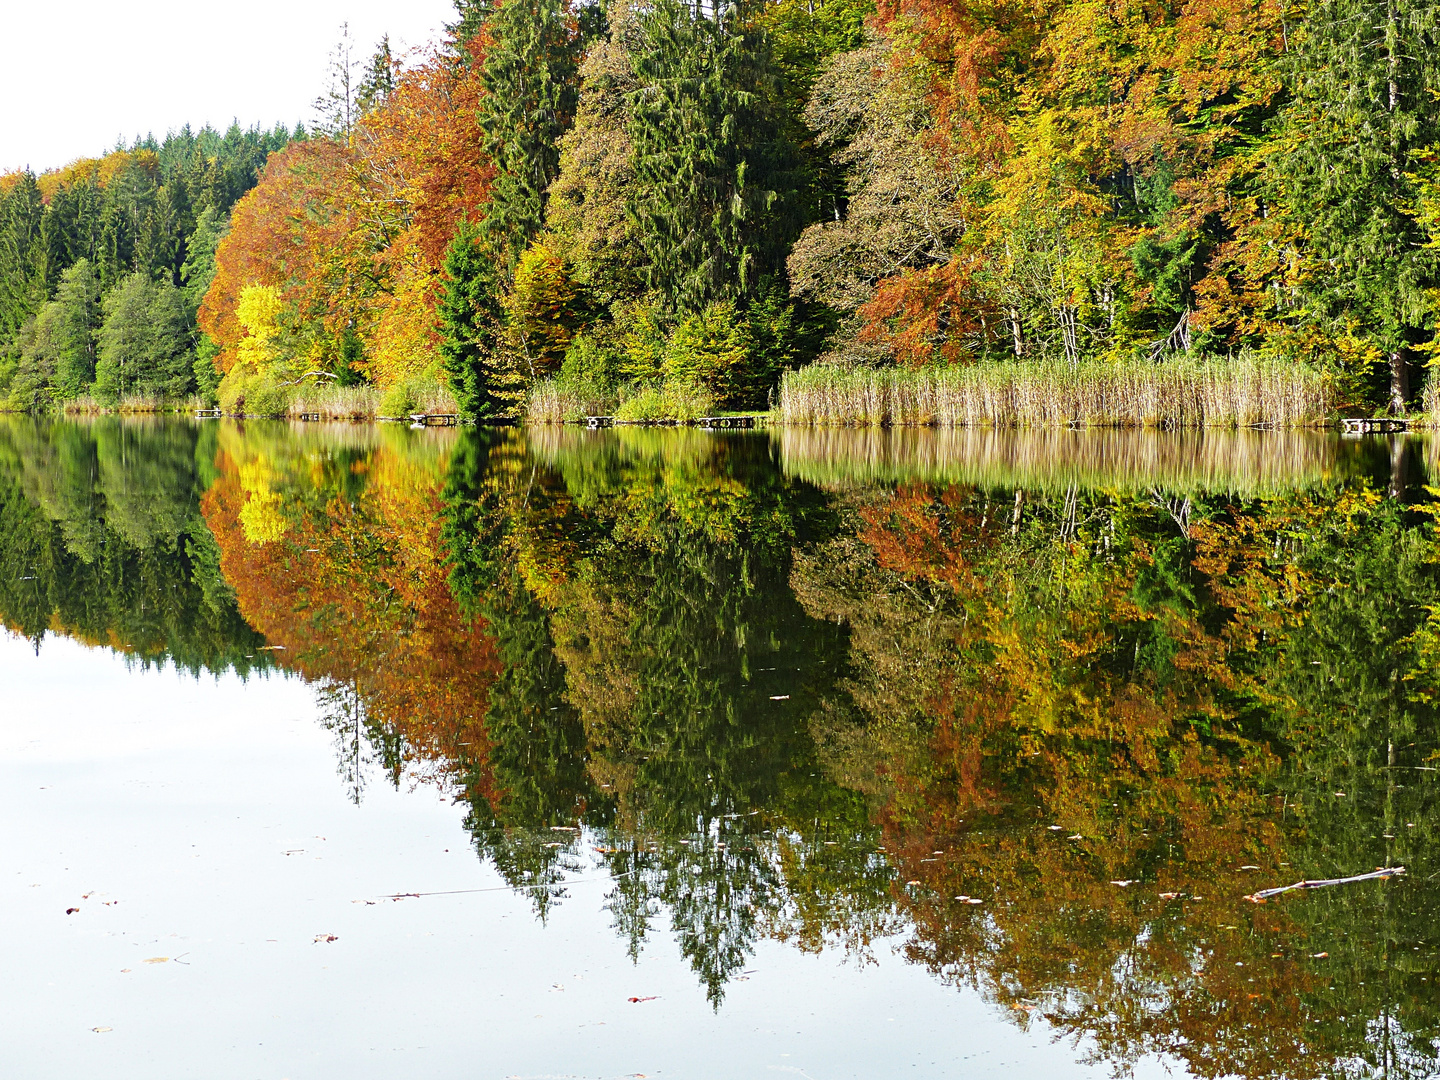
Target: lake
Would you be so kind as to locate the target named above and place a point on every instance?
(362, 751)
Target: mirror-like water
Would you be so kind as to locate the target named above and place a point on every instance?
(369, 752)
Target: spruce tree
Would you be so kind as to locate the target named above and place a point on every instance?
(1365, 79)
(530, 75)
(468, 321)
(378, 79)
(713, 197)
(75, 319)
(22, 263)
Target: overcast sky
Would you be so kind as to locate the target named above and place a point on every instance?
(76, 74)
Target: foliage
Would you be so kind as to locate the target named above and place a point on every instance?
(155, 209)
(468, 315)
(714, 190)
(531, 55)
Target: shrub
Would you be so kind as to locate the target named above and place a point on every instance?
(246, 392)
(398, 399)
(670, 401)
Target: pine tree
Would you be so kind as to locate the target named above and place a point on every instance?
(531, 64)
(1365, 78)
(22, 270)
(125, 338)
(75, 314)
(714, 177)
(473, 16)
(468, 321)
(378, 80)
(336, 110)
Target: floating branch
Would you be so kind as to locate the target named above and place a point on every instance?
(1265, 894)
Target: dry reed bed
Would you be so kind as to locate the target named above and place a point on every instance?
(1178, 393)
(561, 401)
(1246, 464)
(129, 404)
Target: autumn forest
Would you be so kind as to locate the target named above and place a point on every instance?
(663, 209)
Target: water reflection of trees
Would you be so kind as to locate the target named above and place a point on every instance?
(1092, 698)
(101, 539)
(831, 718)
(836, 717)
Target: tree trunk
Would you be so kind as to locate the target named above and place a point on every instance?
(1399, 383)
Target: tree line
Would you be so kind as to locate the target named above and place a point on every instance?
(684, 199)
(103, 265)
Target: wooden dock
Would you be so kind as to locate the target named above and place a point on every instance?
(709, 423)
(1373, 425)
(435, 419)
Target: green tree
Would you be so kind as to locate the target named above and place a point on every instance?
(22, 271)
(468, 318)
(378, 78)
(530, 88)
(713, 198)
(1365, 75)
(74, 315)
(146, 343)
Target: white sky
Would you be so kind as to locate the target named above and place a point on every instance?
(74, 74)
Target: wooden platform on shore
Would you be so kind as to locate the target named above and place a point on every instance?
(1372, 425)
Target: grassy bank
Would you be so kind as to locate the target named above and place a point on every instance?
(1175, 393)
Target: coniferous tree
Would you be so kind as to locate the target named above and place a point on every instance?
(1365, 78)
(378, 79)
(336, 110)
(22, 270)
(713, 194)
(75, 319)
(473, 15)
(468, 320)
(531, 64)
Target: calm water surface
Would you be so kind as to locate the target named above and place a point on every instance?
(363, 752)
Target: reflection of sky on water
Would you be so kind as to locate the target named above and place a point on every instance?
(176, 801)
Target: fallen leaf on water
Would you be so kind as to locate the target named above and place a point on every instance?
(71, 910)
(1054, 828)
(973, 900)
(101, 1030)
(1249, 868)
(779, 697)
(124, 971)
(1077, 836)
(912, 883)
(157, 960)
(1124, 884)
(324, 937)
(1169, 896)
(652, 997)
(1319, 955)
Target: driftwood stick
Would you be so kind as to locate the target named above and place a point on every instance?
(1265, 894)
